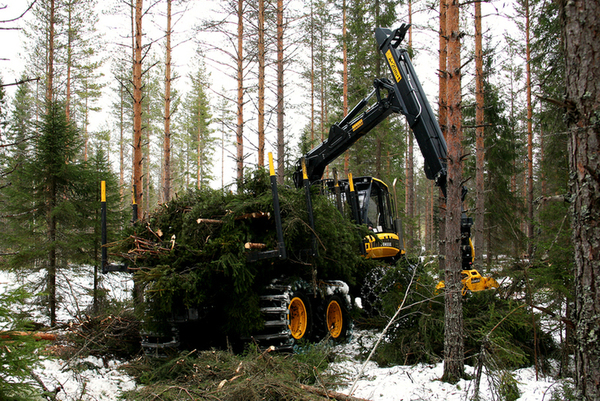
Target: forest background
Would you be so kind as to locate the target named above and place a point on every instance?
(284, 73)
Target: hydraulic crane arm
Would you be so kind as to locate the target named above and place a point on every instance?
(345, 133)
(414, 104)
(402, 95)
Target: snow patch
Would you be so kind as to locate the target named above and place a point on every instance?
(85, 379)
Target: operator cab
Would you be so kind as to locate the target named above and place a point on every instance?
(375, 210)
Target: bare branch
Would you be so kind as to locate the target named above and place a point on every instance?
(21, 82)
(20, 16)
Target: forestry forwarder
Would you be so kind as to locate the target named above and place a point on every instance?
(368, 198)
(295, 310)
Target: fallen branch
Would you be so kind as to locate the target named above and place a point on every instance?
(254, 245)
(209, 221)
(38, 335)
(555, 316)
(329, 394)
(50, 395)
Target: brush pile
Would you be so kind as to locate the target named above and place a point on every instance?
(192, 252)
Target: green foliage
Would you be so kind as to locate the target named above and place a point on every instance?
(54, 199)
(223, 375)
(565, 392)
(195, 264)
(418, 335)
(508, 388)
(19, 354)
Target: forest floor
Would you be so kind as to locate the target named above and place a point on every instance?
(92, 378)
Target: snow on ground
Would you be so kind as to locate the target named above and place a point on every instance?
(85, 379)
(421, 381)
(90, 379)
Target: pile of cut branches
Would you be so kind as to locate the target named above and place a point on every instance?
(106, 335)
(191, 252)
(220, 375)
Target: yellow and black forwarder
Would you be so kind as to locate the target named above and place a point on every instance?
(289, 313)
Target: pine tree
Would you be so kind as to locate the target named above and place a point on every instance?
(239, 58)
(280, 90)
(453, 318)
(137, 167)
(580, 27)
(122, 116)
(166, 181)
(479, 138)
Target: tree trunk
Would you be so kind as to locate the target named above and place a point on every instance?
(322, 72)
(199, 150)
(167, 138)
(280, 104)
(443, 122)
(261, 83)
(582, 55)
(51, 186)
(529, 135)
(137, 108)
(453, 335)
(410, 164)
(312, 77)
(121, 140)
(146, 158)
(50, 80)
(69, 63)
(479, 143)
(345, 80)
(51, 273)
(86, 135)
(240, 97)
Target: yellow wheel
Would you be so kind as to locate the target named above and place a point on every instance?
(298, 318)
(335, 319)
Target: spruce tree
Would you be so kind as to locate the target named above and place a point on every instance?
(18, 350)
(44, 201)
(197, 133)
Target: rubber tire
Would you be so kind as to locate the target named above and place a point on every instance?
(344, 331)
(308, 314)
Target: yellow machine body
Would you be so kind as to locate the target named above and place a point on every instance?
(473, 281)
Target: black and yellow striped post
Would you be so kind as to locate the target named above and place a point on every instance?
(134, 206)
(276, 209)
(309, 208)
(104, 236)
